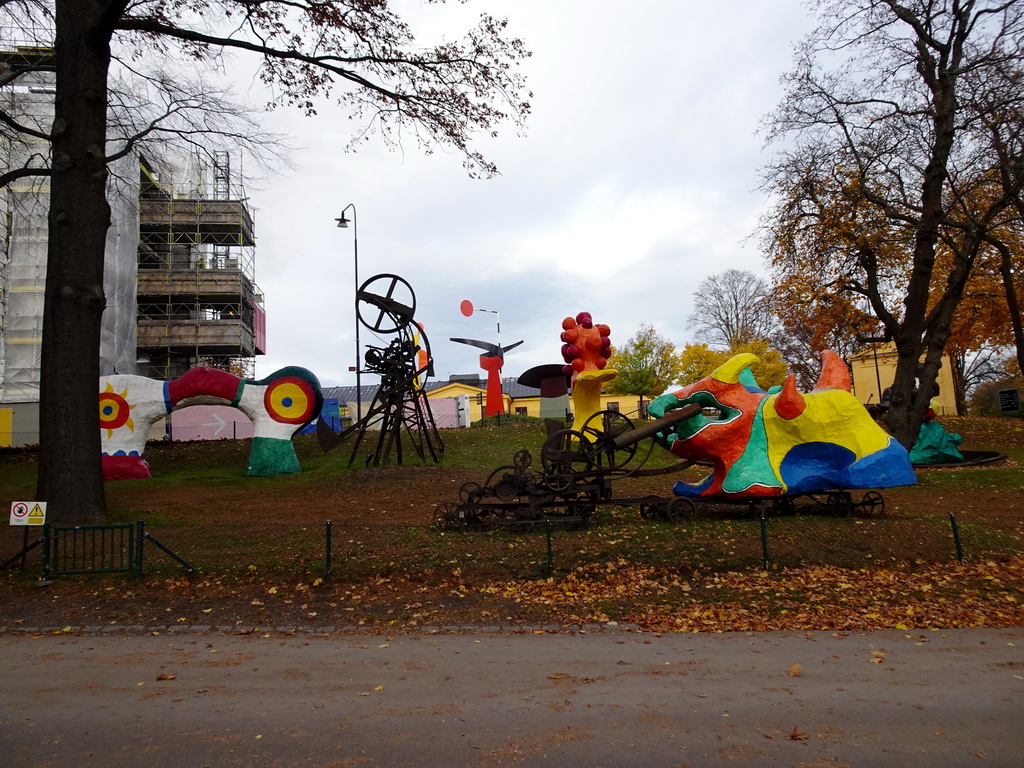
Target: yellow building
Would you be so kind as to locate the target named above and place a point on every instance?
(875, 368)
(519, 400)
(525, 401)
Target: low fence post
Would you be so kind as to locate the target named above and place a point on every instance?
(140, 536)
(328, 573)
(551, 557)
(764, 537)
(956, 538)
(47, 565)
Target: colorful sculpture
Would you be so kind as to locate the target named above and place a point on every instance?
(553, 383)
(278, 406)
(586, 348)
(935, 445)
(491, 361)
(776, 443)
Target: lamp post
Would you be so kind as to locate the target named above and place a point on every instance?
(343, 224)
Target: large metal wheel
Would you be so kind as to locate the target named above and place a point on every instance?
(385, 303)
(840, 504)
(447, 516)
(496, 478)
(872, 505)
(649, 507)
(522, 460)
(566, 448)
(471, 493)
(601, 429)
(679, 508)
(558, 478)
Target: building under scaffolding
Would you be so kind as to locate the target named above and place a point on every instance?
(178, 271)
(198, 303)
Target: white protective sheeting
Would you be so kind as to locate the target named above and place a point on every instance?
(23, 248)
(120, 270)
(23, 259)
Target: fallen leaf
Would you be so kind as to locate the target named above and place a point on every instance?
(797, 735)
(557, 676)
(796, 670)
(162, 676)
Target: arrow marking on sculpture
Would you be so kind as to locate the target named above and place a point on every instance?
(220, 424)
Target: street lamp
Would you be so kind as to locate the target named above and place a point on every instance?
(343, 224)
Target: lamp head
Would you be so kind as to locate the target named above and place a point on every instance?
(342, 222)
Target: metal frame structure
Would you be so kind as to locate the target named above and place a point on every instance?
(198, 302)
(386, 305)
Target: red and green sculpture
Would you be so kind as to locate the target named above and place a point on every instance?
(780, 442)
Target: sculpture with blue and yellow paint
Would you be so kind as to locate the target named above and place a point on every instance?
(780, 442)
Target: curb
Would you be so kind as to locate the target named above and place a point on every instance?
(175, 630)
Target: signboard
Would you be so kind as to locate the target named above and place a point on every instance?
(28, 512)
(1009, 400)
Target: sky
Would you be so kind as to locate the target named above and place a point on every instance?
(635, 178)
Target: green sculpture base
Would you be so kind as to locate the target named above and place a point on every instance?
(271, 457)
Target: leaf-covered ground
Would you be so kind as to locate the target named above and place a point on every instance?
(395, 572)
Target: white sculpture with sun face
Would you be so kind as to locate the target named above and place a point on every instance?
(278, 406)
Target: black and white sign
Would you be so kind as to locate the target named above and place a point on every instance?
(1009, 400)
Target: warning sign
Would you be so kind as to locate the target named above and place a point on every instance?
(28, 512)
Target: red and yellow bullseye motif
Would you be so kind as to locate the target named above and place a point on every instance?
(290, 400)
(114, 411)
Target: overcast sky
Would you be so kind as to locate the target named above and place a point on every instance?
(634, 180)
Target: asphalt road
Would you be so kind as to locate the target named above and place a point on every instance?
(614, 698)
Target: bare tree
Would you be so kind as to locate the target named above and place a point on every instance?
(889, 156)
(731, 309)
(358, 52)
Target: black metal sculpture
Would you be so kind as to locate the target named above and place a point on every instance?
(386, 305)
(577, 468)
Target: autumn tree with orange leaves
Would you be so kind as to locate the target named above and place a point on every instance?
(895, 117)
(359, 53)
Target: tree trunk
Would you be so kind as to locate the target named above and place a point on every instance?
(900, 418)
(1006, 270)
(70, 470)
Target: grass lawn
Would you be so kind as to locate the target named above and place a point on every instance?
(260, 547)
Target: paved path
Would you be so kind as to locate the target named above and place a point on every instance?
(917, 698)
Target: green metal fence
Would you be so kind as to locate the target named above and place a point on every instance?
(92, 549)
(352, 551)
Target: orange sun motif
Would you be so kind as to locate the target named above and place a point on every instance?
(115, 411)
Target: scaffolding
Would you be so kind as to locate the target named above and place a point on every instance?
(198, 302)
(179, 275)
